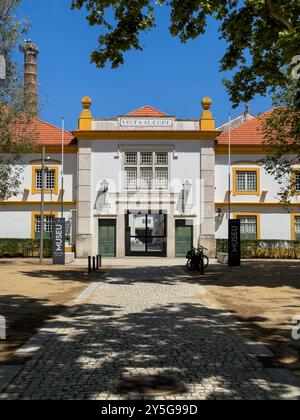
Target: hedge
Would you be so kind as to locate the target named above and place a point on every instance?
(274, 249)
(25, 248)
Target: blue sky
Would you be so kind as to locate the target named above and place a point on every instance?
(167, 75)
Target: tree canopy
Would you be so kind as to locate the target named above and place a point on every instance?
(263, 36)
(18, 132)
(281, 129)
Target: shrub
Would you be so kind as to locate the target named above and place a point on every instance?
(25, 248)
(276, 249)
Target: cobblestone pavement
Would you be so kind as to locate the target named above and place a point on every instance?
(143, 321)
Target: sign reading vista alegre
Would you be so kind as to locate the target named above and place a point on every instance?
(146, 122)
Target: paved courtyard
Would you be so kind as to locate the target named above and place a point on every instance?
(143, 321)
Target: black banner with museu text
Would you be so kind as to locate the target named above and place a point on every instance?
(59, 230)
(234, 243)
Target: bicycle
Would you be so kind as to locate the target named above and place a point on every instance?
(197, 260)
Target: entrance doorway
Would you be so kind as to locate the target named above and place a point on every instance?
(107, 237)
(146, 234)
(183, 237)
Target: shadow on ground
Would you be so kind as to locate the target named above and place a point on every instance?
(187, 341)
(59, 274)
(24, 317)
(269, 274)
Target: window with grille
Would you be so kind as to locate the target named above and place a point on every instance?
(297, 182)
(49, 179)
(146, 170)
(297, 228)
(246, 181)
(48, 225)
(162, 158)
(146, 158)
(161, 178)
(131, 178)
(131, 158)
(146, 177)
(248, 227)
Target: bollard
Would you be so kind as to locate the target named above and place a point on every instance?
(94, 264)
(90, 264)
(97, 262)
(100, 260)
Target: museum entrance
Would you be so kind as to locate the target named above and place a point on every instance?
(146, 234)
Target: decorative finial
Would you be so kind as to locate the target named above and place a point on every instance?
(207, 122)
(86, 102)
(206, 103)
(85, 119)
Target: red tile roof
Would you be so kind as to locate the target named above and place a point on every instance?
(246, 134)
(146, 111)
(52, 136)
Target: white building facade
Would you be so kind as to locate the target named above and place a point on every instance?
(145, 183)
(254, 194)
(20, 216)
(149, 184)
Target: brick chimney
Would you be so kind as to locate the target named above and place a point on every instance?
(31, 52)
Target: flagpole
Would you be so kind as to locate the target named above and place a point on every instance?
(229, 167)
(42, 205)
(62, 165)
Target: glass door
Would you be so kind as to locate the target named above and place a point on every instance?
(145, 234)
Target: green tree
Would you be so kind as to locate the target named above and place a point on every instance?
(281, 129)
(262, 35)
(18, 131)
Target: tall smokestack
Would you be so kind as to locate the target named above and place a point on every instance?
(31, 52)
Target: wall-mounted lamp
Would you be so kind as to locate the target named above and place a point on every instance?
(220, 213)
(185, 191)
(187, 186)
(104, 186)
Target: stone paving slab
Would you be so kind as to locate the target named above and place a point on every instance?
(144, 321)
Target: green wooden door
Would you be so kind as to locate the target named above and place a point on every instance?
(107, 238)
(184, 238)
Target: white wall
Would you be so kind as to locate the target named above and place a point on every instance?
(107, 163)
(69, 178)
(15, 224)
(275, 223)
(267, 182)
(15, 221)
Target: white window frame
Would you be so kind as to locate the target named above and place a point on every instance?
(246, 181)
(143, 165)
(48, 223)
(38, 179)
(249, 222)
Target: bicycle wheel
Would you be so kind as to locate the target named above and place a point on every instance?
(189, 265)
(205, 262)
